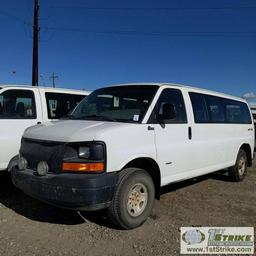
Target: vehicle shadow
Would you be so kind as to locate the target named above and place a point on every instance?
(13, 198)
(220, 175)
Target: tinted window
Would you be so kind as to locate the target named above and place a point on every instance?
(237, 112)
(212, 109)
(60, 104)
(199, 107)
(170, 100)
(17, 104)
(215, 109)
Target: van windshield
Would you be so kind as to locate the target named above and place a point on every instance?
(116, 104)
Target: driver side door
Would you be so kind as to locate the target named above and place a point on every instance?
(172, 135)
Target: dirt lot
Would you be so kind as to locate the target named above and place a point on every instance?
(29, 227)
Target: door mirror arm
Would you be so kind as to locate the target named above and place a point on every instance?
(160, 120)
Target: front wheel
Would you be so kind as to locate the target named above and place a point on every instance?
(133, 198)
(238, 171)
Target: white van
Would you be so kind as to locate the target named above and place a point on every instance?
(123, 143)
(24, 106)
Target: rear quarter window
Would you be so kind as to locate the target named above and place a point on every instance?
(214, 109)
(237, 112)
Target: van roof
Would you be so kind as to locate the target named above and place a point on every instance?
(184, 86)
(43, 87)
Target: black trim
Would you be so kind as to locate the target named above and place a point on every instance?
(43, 141)
(189, 133)
(72, 191)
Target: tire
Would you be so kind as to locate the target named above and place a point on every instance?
(238, 171)
(133, 198)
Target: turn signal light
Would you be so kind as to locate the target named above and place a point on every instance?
(83, 167)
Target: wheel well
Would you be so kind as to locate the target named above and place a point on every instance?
(247, 149)
(152, 168)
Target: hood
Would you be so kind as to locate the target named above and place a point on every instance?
(70, 130)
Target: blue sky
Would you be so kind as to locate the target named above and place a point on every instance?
(210, 44)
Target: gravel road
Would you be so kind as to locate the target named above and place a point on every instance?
(29, 227)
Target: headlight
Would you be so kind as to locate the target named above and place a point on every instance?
(91, 152)
(84, 152)
(84, 157)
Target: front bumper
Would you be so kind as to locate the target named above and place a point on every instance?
(68, 190)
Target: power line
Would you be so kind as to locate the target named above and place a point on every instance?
(152, 33)
(6, 14)
(143, 33)
(152, 8)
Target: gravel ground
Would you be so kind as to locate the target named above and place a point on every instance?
(29, 227)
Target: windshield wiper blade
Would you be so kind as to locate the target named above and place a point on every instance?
(107, 118)
(96, 117)
(68, 116)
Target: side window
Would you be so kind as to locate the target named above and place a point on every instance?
(170, 107)
(199, 107)
(237, 112)
(58, 104)
(212, 109)
(17, 104)
(215, 109)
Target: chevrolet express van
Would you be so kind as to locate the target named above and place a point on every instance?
(24, 106)
(121, 144)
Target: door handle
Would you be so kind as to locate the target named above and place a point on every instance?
(38, 123)
(189, 133)
(151, 128)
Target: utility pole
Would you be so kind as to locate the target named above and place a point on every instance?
(35, 45)
(53, 77)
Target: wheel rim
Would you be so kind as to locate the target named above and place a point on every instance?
(241, 166)
(137, 200)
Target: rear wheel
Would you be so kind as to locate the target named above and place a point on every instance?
(133, 198)
(238, 171)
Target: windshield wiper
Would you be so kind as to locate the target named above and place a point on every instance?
(106, 118)
(68, 116)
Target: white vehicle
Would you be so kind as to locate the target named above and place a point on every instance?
(24, 106)
(123, 143)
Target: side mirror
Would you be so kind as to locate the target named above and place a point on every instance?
(168, 111)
